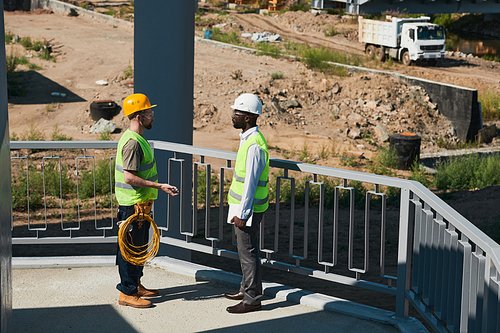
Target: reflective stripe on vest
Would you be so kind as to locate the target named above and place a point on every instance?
(126, 194)
(261, 198)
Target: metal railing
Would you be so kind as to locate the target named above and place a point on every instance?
(446, 267)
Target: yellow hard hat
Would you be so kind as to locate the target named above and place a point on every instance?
(136, 103)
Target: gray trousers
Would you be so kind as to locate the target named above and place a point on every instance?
(248, 251)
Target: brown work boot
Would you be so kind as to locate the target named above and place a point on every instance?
(144, 292)
(134, 301)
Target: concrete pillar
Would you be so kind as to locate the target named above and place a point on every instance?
(164, 71)
(5, 198)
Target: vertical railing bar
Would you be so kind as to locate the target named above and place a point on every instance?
(438, 306)
(195, 195)
(402, 305)
(335, 225)
(111, 191)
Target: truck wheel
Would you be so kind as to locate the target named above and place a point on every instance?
(380, 54)
(406, 58)
(370, 51)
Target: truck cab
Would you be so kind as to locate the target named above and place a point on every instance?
(423, 41)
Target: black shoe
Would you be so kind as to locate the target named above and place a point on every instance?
(235, 297)
(243, 308)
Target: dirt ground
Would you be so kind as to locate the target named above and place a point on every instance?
(88, 50)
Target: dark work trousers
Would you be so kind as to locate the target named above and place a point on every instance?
(248, 251)
(129, 273)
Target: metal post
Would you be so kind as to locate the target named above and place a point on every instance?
(164, 70)
(5, 198)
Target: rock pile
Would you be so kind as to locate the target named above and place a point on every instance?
(362, 107)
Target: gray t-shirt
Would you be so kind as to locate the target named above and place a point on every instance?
(132, 155)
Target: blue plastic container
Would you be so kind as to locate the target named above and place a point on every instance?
(208, 34)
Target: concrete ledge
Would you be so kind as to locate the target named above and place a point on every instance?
(204, 273)
(60, 6)
(58, 262)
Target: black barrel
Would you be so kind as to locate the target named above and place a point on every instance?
(106, 109)
(407, 146)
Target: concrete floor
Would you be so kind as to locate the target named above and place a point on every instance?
(55, 295)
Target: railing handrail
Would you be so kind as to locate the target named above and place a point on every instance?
(470, 230)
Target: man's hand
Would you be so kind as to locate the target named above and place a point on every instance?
(239, 222)
(169, 189)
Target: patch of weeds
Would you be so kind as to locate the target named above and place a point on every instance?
(231, 37)
(389, 62)
(349, 161)
(304, 155)
(45, 54)
(52, 106)
(384, 161)
(276, 75)
(14, 137)
(26, 42)
(9, 36)
(331, 31)
(38, 45)
(324, 152)
(302, 6)
(109, 11)
(11, 63)
(105, 136)
(418, 174)
(237, 74)
(57, 136)
(444, 143)
(128, 73)
(34, 67)
(468, 172)
(33, 134)
(269, 49)
(490, 104)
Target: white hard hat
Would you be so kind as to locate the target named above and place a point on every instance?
(248, 103)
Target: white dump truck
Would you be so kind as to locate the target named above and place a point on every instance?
(404, 39)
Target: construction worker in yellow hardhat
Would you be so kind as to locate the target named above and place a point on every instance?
(136, 181)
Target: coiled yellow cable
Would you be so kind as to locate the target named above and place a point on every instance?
(131, 253)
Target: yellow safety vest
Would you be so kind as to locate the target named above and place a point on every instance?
(261, 197)
(128, 195)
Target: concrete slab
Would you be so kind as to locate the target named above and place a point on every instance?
(56, 297)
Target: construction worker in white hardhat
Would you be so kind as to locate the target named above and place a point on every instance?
(136, 184)
(249, 191)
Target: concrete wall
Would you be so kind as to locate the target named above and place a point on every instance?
(164, 71)
(5, 199)
(458, 104)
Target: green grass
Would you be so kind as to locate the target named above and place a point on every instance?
(384, 162)
(128, 73)
(491, 58)
(57, 136)
(11, 63)
(269, 49)
(9, 36)
(105, 136)
(468, 172)
(26, 42)
(490, 104)
(331, 31)
(231, 37)
(55, 180)
(276, 75)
